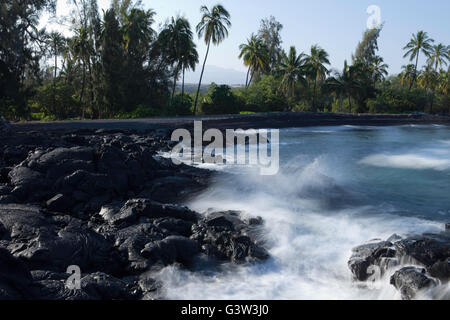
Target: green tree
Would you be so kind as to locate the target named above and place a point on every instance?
(213, 27)
(255, 56)
(344, 84)
(189, 60)
(428, 80)
(112, 59)
(83, 51)
(57, 43)
(419, 42)
(21, 48)
(365, 52)
(315, 64)
(292, 70)
(439, 56)
(379, 69)
(269, 33)
(177, 39)
(407, 75)
(223, 101)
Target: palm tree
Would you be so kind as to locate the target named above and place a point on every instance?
(292, 69)
(444, 85)
(255, 55)
(379, 69)
(177, 38)
(189, 60)
(57, 43)
(407, 75)
(419, 42)
(316, 62)
(137, 27)
(428, 81)
(439, 56)
(344, 83)
(213, 27)
(83, 50)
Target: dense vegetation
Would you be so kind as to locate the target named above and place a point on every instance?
(116, 64)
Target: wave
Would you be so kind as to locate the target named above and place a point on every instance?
(309, 243)
(407, 161)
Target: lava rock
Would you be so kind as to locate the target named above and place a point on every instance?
(59, 203)
(425, 249)
(410, 280)
(441, 270)
(367, 255)
(14, 277)
(132, 210)
(131, 240)
(171, 249)
(96, 286)
(224, 236)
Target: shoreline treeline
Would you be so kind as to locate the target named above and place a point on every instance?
(116, 65)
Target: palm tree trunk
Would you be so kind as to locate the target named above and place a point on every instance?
(201, 76)
(175, 76)
(415, 71)
(251, 78)
(340, 103)
(349, 104)
(246, 80)
(83, 83)
(314, 95)
(54, 84)
(182, 87)
(95, 112)
(432, 101)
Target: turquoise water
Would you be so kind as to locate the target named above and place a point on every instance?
(337, 188)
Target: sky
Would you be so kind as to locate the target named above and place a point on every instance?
(335, 25)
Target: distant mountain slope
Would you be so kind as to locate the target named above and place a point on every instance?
(216, 74)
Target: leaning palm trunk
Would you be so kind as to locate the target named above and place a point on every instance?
(201, 77)
(182, 87)
(175, 77)
(251, 77)
(246, 79)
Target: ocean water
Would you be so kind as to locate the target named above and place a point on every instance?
(337, 188)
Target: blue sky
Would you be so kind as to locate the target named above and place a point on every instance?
(336, 25)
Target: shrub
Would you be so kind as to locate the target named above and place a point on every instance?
(221, 101)
(181, 105)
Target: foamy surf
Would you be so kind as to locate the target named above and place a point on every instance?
(324, 202)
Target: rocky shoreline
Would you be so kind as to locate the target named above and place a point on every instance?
(418, 264)
(105, 202)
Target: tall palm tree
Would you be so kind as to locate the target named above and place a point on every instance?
(379, 69)
(316, 62)
(57, 43)
(292, 70)
(419, 42)
(177, 38)
(407, 75)
(439, 56)
(428, 80)
(189, 60)
(83, 50)
(344, 83)
(255, 56)
(213, 27)
(444, 85)
(137, 27)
